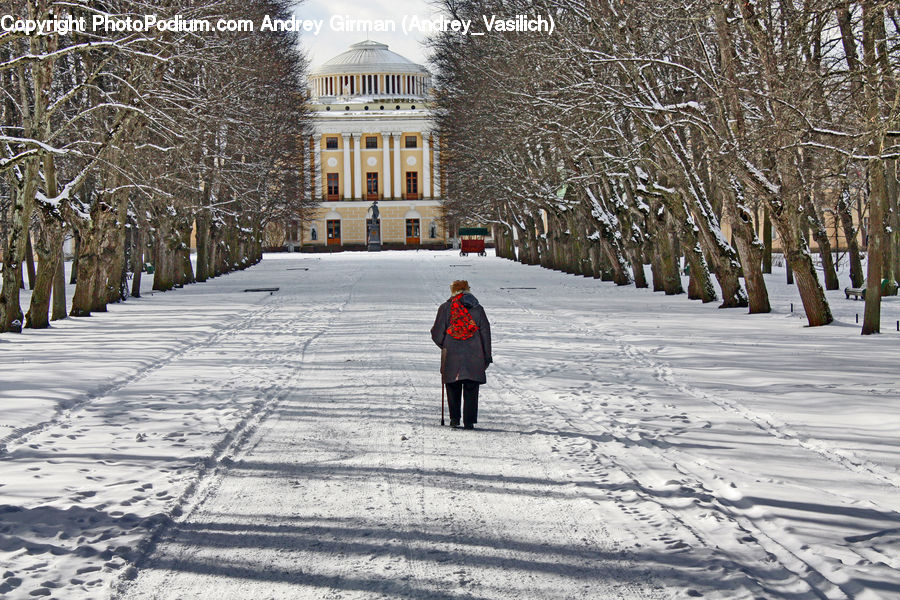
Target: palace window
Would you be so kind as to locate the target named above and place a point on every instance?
(372, 184)
(333, 189)
(411, 141)
(371, 142)
(412, 228)
(412, 184)
(331, 143)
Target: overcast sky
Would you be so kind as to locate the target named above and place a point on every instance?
(330, 43)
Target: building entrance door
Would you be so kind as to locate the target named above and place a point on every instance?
(334, 232)
(412, 231)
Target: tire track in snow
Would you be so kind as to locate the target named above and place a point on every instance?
(816, 576)
(845, 459)
(237, 443)
(65, 410)
(95, 518)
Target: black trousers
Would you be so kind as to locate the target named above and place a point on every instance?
(458, 390)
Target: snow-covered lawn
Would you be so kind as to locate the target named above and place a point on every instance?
(215, 443)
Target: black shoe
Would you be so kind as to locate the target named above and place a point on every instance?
(469, 426)
(454, 424)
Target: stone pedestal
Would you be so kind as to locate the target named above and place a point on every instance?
(374, 239)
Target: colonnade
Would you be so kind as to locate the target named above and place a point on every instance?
(352, 166)
(383, 84)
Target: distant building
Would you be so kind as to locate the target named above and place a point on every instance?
(374, 140)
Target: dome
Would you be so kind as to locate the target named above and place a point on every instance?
(369, 57)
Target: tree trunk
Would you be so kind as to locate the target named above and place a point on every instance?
(49, 241)
(767, 241)
(820, 235)
(59, 284)
(595, 269)
(29, 261)
(751, 251)
(11, 316)
(203, 239)
(799, 264)
(116, 253)
(9, 301)
(845, 214)
(82, 300)
(873, 25)
(875, 270)
(700, 285)
(106, 255)
(577, 251)
(637, 268)
(534, 256)
(73, 276)
(656, 272)
(891, 186)
(671, 277)
(137, 261)
(161, 278)
(185, 268)
(605, 268)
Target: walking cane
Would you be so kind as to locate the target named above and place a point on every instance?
(442, 403)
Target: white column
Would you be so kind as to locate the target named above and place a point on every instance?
(317, 152)
(346, 141)
(397, 193)
(426, 167)
(437, 167)
(385, 166)
(357, 169)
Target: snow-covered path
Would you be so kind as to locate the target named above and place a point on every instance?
(351, 490)
(631, 446)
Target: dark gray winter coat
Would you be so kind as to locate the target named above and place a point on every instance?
(463, 359)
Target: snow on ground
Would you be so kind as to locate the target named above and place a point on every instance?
(215, 443)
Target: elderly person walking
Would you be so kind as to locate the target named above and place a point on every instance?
(462, 332)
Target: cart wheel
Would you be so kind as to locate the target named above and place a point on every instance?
(461, 253)
(482, 253)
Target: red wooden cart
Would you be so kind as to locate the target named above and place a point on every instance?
(472, 240)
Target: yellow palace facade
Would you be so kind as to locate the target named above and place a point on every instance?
(374, 140)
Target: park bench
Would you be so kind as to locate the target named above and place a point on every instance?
(859, 292)
(271, 290)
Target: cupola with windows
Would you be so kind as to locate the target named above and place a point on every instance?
(369, 70)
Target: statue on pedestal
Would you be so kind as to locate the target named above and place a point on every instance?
(374, 230)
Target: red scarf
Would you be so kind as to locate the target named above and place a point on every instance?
(462, 325)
